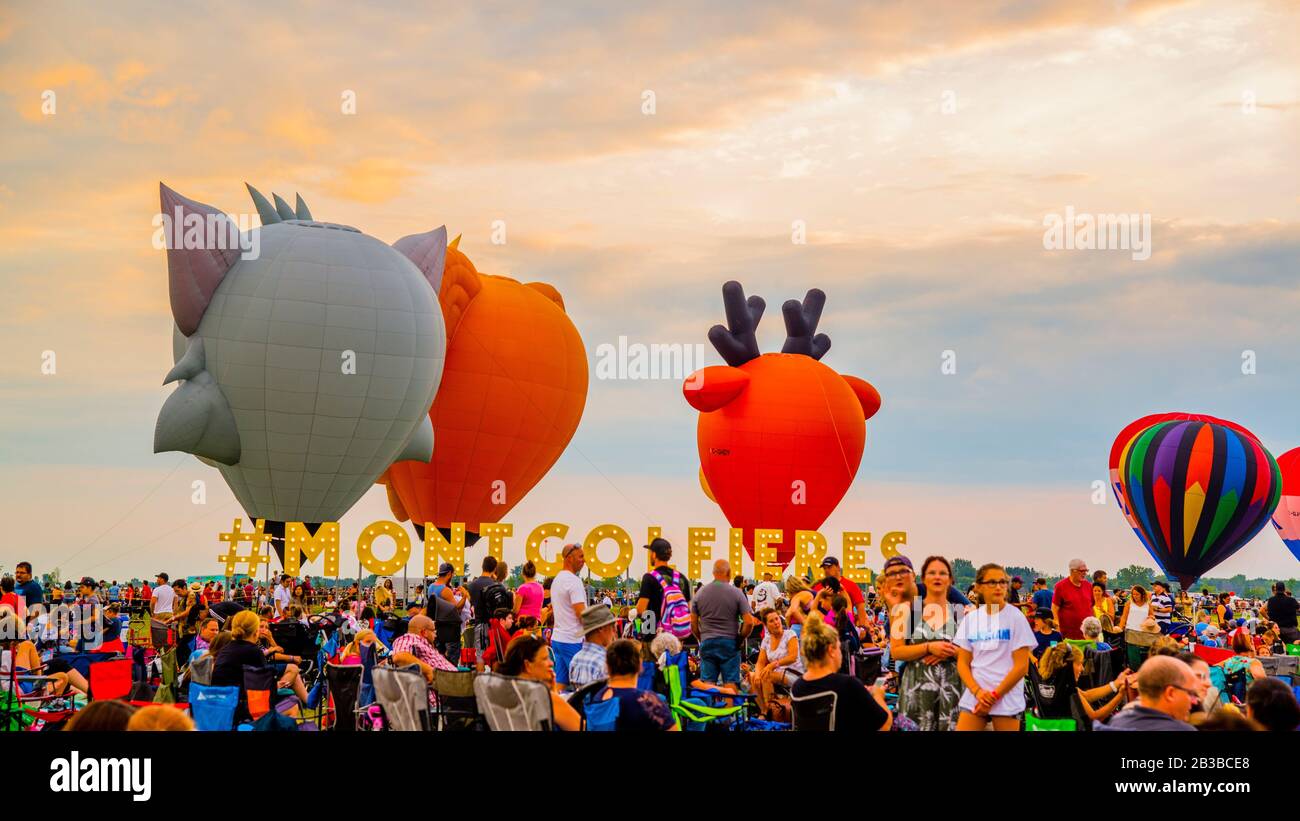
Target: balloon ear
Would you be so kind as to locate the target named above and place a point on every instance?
(867, 395)
(429, 253)
(193, 274)
(548, 291)
(710, 388)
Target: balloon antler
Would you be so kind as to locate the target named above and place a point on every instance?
(801, 320)
(737, 343)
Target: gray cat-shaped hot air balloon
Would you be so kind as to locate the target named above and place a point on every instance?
(306, 371)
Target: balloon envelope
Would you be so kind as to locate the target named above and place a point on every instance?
(512, 394)
(1135, 427)
(1196, 492)
(1287, 516)
(774, 458)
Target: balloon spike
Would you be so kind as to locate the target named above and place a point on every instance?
(455, 244)
(265, 210)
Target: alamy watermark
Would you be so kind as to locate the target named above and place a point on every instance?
(641, 361)
(1098, 232)
(214, 232)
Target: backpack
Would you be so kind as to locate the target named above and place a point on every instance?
(675, 615)
(494, 597)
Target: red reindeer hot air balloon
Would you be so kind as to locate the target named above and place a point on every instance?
(780, 435)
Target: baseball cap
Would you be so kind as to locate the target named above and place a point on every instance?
(162, 576)
(895, 561)
(660, 547)
(830, 561)
(1042, 613)
(87, 581)
(445, 568)
(1017, 579)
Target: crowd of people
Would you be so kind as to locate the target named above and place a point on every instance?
(908, 652)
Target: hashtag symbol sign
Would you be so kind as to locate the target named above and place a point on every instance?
(254, 557)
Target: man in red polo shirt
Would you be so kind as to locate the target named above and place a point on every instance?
(1072, 600)
(831, 567)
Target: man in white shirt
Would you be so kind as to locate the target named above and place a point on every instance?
(568, 600)
(283, 595)
(162, 603)
(164, 598)
(766, 594)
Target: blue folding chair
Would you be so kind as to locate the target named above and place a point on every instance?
(213, 708)
(366, 695)
(602, 716)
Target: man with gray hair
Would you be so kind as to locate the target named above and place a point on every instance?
(720, 618)
(1072, 600)
(1167, 691)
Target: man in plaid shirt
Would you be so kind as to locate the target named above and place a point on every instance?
(588, 663)
(415, 646)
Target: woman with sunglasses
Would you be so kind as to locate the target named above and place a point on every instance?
(993, 644)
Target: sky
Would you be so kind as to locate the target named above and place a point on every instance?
(640, 155)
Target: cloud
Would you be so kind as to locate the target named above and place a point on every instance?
(370, 180)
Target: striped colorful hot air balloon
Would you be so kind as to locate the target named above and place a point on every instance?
(1287, 516)
(1196, 492)
(1133, 429)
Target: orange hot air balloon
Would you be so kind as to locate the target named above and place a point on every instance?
(780, 435)
(513, 389)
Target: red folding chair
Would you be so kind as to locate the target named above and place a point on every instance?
(1213, 655)
(110, 679)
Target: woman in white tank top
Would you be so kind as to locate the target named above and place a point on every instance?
(1137, 609)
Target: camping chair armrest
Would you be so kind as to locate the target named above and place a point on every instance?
(695, 691)
(699, 712)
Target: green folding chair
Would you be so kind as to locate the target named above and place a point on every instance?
(166, 693)
(690, 711)
(1034, 724)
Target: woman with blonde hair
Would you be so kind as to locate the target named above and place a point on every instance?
(801, 598)
(351, 652)
(159, 718)
(385, 598)
(1058, 681)
(857, 709)
(243, 650)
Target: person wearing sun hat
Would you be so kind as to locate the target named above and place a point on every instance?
(191, 611)
(588, 663)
